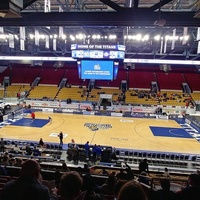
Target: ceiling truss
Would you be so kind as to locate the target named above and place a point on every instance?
(119, 17)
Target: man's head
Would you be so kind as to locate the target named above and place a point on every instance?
(31, 168)
(70, 184)
(194, 180)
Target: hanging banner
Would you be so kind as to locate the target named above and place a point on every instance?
(47, 6)
(60, 32)
(11, 41)
(161, 45)
(198, 47)
(185, 32)
(22, 45)
(54, 44)
(46, 41)
(37, 37)
(1, 30)
(165, 45)
(22, 33)
(173, 39)
(198, 39)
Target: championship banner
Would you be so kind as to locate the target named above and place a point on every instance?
(173, 39)
(60, 31)
(1, 30)
(22, 33)
(198, 39)
(185, 32)
(46, 41)
(22, 45)
(54, 44)
(11, 41)
(22, 38)
(37, 39)
(161, 45)
(47, 6)
(165, 45)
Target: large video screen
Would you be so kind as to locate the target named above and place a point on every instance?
(97, 69)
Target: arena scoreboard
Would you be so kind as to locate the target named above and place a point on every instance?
(89, 51)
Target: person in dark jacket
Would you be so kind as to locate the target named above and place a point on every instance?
(192, 191)
(28, 186)
(143, 166)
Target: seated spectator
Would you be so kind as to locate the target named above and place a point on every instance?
(28, 150)
(64, 167)
(18, 162)
(5, 159)
(143, 178)
(192, 191)
(165, 193)
(132, 190)
(90, 186)
(57, 177)
(122, 175)
(36, 152)
(128, 170)
(70, 186)
(108, 187)
(86, 169)
(166, 173)
(3, 171)
(28, 185)
(118, 187)
(104, 172)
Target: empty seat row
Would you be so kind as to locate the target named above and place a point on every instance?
(153, 155)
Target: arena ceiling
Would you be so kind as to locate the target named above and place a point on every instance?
(133, 23)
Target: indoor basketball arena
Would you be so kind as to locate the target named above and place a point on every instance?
(101, 95)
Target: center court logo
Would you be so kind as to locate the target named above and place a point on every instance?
(96, 127)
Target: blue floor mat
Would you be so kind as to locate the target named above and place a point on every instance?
(38, 123)
(170, 132)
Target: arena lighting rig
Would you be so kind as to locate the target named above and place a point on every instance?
(126, 60)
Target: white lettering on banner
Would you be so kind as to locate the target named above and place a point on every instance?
(98, 46)
(106, 47)
(109, 47)
(83, 46)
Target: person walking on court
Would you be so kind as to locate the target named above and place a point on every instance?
(33, 115)
(60, 135)
(50, 119)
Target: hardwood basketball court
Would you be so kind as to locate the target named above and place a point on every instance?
(119, 132)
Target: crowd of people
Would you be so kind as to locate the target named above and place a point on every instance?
(160, 97)
(88, 152)
(79, 185)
